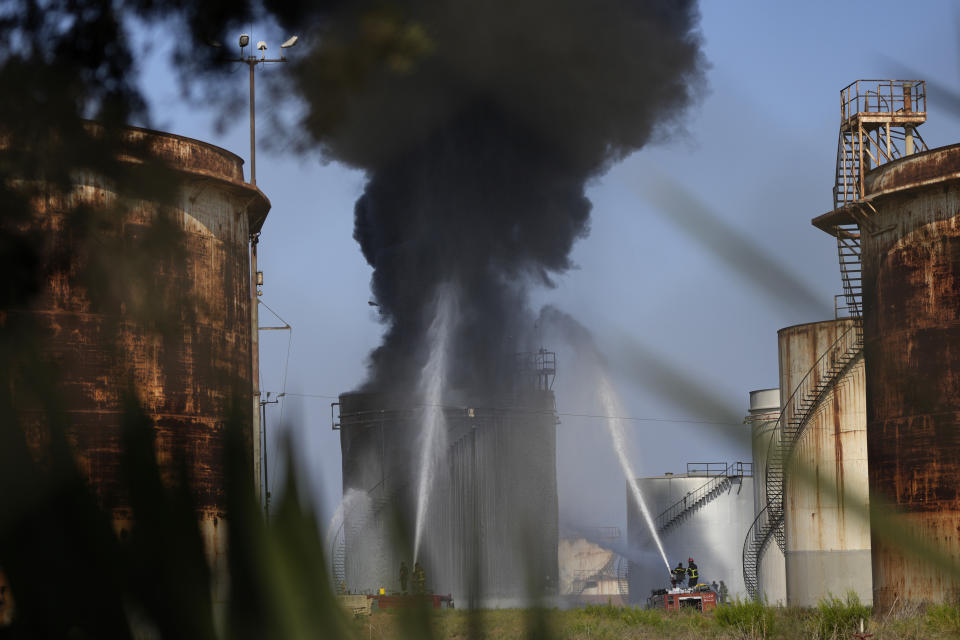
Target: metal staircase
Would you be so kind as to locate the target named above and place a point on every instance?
(848, 253)
(623, 578)
(700, 496)
(338, 560)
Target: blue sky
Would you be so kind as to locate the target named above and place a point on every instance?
(758, 151)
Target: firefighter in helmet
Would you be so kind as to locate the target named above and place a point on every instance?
(404, 575)
(677, 575)
(692, 573)
(419, 579)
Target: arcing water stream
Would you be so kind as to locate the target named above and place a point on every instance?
(432, 380)
(612, 409)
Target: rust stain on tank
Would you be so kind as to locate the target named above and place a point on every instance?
(186, 365)
(912, 334)
(838, 450)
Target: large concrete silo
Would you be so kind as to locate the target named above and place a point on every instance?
(826, 523)
(188, 368)
(910, 250)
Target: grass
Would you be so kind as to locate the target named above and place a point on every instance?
(839, 618)
(749, 619)
(834, 618)
(944, 618)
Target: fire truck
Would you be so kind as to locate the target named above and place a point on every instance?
(700, 597)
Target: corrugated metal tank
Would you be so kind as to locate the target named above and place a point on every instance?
(184, 375)
(826, 499)
(911, 297)
(762, 417)
(712, 534)
(492, 524)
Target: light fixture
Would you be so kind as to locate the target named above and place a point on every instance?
(262, 45)
(244, 40)
(290, 42)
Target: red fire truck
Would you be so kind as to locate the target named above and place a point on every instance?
(700, 598)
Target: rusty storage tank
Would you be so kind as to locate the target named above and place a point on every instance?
(762, 418)
(186, 367)
(910, 248)
(492, 522)
(826, 526)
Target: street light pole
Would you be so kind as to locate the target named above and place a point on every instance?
(266, 476)
(252, 61)
(253, 130)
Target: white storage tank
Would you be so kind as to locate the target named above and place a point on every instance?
(709, 527)
(826, 523)
(762, 417)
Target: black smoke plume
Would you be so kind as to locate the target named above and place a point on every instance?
(479, 133)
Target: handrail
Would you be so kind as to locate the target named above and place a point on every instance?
(707, 468)
(912, 95)
(805, 398)
(693, 498)
(875, 101)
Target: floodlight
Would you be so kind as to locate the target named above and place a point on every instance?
(262, 45)
(290, 42)
(244, 39)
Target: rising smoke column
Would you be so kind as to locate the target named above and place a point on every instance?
(478, 148)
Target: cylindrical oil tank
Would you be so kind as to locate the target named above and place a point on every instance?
(826, 505)
(711, 532)
(491, 535)
(762, 418)
(910, 244)
(177, 331)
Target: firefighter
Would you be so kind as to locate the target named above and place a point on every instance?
(677, 575)
(724, 591)
(419, 579)
(692, 573)
(404, 574)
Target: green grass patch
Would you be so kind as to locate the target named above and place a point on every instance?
(839, 617)
(750, 618)
(944, 618)
(631, 616)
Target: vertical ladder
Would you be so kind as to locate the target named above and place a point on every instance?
(851, 270)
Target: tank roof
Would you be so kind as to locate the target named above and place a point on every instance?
(813, 324)
(923, 169)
